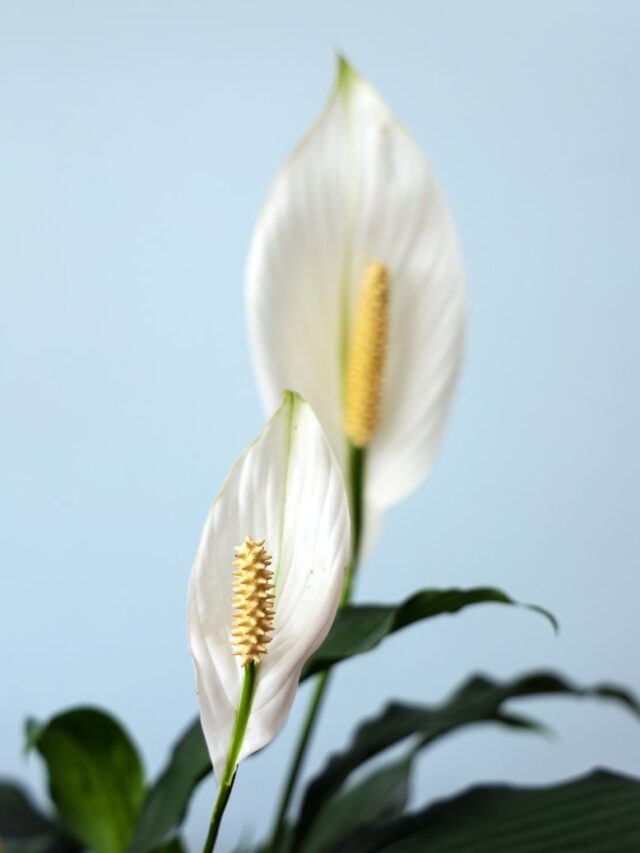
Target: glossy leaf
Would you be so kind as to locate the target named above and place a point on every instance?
(175, 845)
(358, 629)
(24, 829)
(479, 700)
(361, 628)
(95, 776)
(48, 843)
(598, 813)
(166, 802)
(18, 816)
(381, 796)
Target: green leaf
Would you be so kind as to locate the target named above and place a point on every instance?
(175, 845)
(19, 818)
(360, 628)
(381, 796)
(48, 843)
(356, 629)
(165, 804)
(23, 829)
(598, 813)
(39, 844)
(95, 776)
(478, 700)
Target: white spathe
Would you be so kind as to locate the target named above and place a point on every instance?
(287, 489)
(358, 189)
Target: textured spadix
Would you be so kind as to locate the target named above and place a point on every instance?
(285, 489)
(364, 371)
(252, 602)
(358, 190)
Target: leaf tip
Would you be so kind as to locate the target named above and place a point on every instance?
(551, 619)
(32, 732)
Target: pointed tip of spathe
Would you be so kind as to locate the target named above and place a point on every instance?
(291, 404)
(345, 73)
(291, 398)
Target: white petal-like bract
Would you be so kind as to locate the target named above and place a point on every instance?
(357, 189)
(286, 488)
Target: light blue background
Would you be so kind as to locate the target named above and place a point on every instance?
(138, 141)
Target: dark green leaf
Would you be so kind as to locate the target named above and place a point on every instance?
(39, 844)
(523, 723)
(175, 845)
(166, 802)
(95, 776)
(479, 700)
(598, 813)
(49, 843)
(360, 628)
(23, 829)
(19, 818)
(381, 796)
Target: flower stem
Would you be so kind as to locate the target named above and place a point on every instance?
(228, 777)
(292, 777)
(357, 460)
(356, 469)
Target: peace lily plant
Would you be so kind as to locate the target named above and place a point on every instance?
(252, 629)
(355, 312)
(355, 300)
(355, 295)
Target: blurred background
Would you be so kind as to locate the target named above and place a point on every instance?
(138, 141)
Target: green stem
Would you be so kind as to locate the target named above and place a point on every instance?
(356, 471)
(357, 459)
(228, 777)
(296, 764)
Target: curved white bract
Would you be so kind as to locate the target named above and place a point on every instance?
(357, 189)
(287, 489)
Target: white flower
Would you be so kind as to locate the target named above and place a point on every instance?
(357, 233)
(286, 489)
